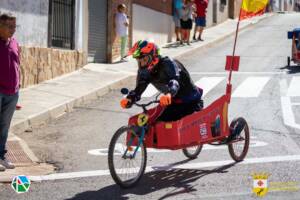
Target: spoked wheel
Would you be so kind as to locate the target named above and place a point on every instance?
(192, 152)
(126, 168)
(239, 145)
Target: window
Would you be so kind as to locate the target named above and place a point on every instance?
(61, 23)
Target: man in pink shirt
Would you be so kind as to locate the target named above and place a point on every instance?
(200, 20)
(9, 81)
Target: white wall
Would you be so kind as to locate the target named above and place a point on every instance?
(151, 24)
(32, 18)
(78, 25)
(209, 13)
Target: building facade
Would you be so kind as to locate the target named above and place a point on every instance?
(51, 36)
(61, 36)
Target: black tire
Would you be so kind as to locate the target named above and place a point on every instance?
(288, 61)
(112, 165)
(192, 155)
(240, 129)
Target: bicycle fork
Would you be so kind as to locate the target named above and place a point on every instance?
(140, 141)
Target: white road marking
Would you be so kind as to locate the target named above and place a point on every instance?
(286, 106)
(294, 89)
(150, 91)
(287, 113)
(283, 87)
(120, 148)
(208, 83)
(84, 174)
(251, 87)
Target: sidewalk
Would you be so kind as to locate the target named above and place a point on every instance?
(53, 98)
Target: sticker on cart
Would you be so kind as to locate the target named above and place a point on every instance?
(203, 131)
(142, 119)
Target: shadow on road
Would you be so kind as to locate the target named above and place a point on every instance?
(178, 45)
(293, 69)
(182, 180)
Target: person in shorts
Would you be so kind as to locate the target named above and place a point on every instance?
(200, 21)
(186, 21)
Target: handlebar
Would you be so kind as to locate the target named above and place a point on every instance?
(146, 104)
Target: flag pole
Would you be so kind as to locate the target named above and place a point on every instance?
(234, 46)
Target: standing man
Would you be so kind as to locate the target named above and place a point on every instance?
(200, 20)
(177, 9)
(9, 80)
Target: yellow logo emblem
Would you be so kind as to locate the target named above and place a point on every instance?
(260, 184)
(142, 119)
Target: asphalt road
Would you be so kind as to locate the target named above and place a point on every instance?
(275, 138)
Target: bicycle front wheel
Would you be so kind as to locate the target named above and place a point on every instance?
(126, 160)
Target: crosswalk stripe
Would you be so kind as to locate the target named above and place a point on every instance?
(294, 88)
(150, 91)
(251, 87)
(208, 83)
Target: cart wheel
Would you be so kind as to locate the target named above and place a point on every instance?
(288, 61)
(239, 145)
(192, 152)
(125, 169)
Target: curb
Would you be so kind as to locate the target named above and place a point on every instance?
(34, 170)
(59, 110)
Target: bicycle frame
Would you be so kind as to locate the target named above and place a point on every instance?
(140, 141)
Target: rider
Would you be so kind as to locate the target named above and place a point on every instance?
(180, 95)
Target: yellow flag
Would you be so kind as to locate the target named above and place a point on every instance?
(252, 8)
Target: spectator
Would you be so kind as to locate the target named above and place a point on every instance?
(186, 21)
(200, 20)
(9, 80)
(122, 24)
(177, 9)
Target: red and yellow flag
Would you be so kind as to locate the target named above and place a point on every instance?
(252, 8)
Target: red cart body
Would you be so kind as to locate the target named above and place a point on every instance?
(205, 126)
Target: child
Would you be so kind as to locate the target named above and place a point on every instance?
(122, 23)
(186, 21)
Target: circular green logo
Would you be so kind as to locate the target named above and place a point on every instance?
(21, 184)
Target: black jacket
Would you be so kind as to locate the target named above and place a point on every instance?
(168, 76)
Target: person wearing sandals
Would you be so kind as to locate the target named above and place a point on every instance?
(186, 21)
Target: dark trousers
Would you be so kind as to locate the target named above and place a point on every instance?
(175, 112)
(7, 108)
